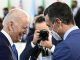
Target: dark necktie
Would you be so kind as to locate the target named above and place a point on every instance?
(45, 52)
(15, 51)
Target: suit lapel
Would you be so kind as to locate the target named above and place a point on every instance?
(5, 40)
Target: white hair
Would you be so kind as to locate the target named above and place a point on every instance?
(12, 14)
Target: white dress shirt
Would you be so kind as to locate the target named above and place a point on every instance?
(8, 37)
(56, 36)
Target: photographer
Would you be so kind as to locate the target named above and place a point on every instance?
(41, 31)
(33, 40)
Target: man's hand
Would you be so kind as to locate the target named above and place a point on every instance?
(47, 44)
(36, 37)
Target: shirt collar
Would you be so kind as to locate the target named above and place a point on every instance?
(55, 35)
(67, 32)
(8, 37)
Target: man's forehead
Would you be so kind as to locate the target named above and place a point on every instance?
(41, 25)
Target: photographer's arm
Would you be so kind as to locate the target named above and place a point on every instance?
(36, 37)
(48, 44)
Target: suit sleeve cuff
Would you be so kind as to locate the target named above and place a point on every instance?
(52, 49)
(32, 45)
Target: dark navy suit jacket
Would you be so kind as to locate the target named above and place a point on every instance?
(69, 49)
(5, 49)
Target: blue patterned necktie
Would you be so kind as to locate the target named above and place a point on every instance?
(15, 51)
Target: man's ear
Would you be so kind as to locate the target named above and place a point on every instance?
(58, 21)
(10, 26)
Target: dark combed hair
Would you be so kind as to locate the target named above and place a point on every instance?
(60, 10)
(40, 19)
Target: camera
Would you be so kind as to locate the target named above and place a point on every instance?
(44, 35)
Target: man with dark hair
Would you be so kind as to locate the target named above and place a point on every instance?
(5, 11)
(60, 19)
(40, 10)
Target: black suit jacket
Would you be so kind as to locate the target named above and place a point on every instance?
(30, 52)
(5, 49)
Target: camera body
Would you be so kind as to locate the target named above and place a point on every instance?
(44, 35)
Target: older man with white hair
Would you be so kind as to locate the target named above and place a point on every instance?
(15, 24)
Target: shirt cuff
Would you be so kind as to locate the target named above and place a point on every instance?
(32, 45)
(52, 49)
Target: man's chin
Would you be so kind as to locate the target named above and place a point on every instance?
(16, 41)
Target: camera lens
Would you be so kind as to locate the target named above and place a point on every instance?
(44, 35)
